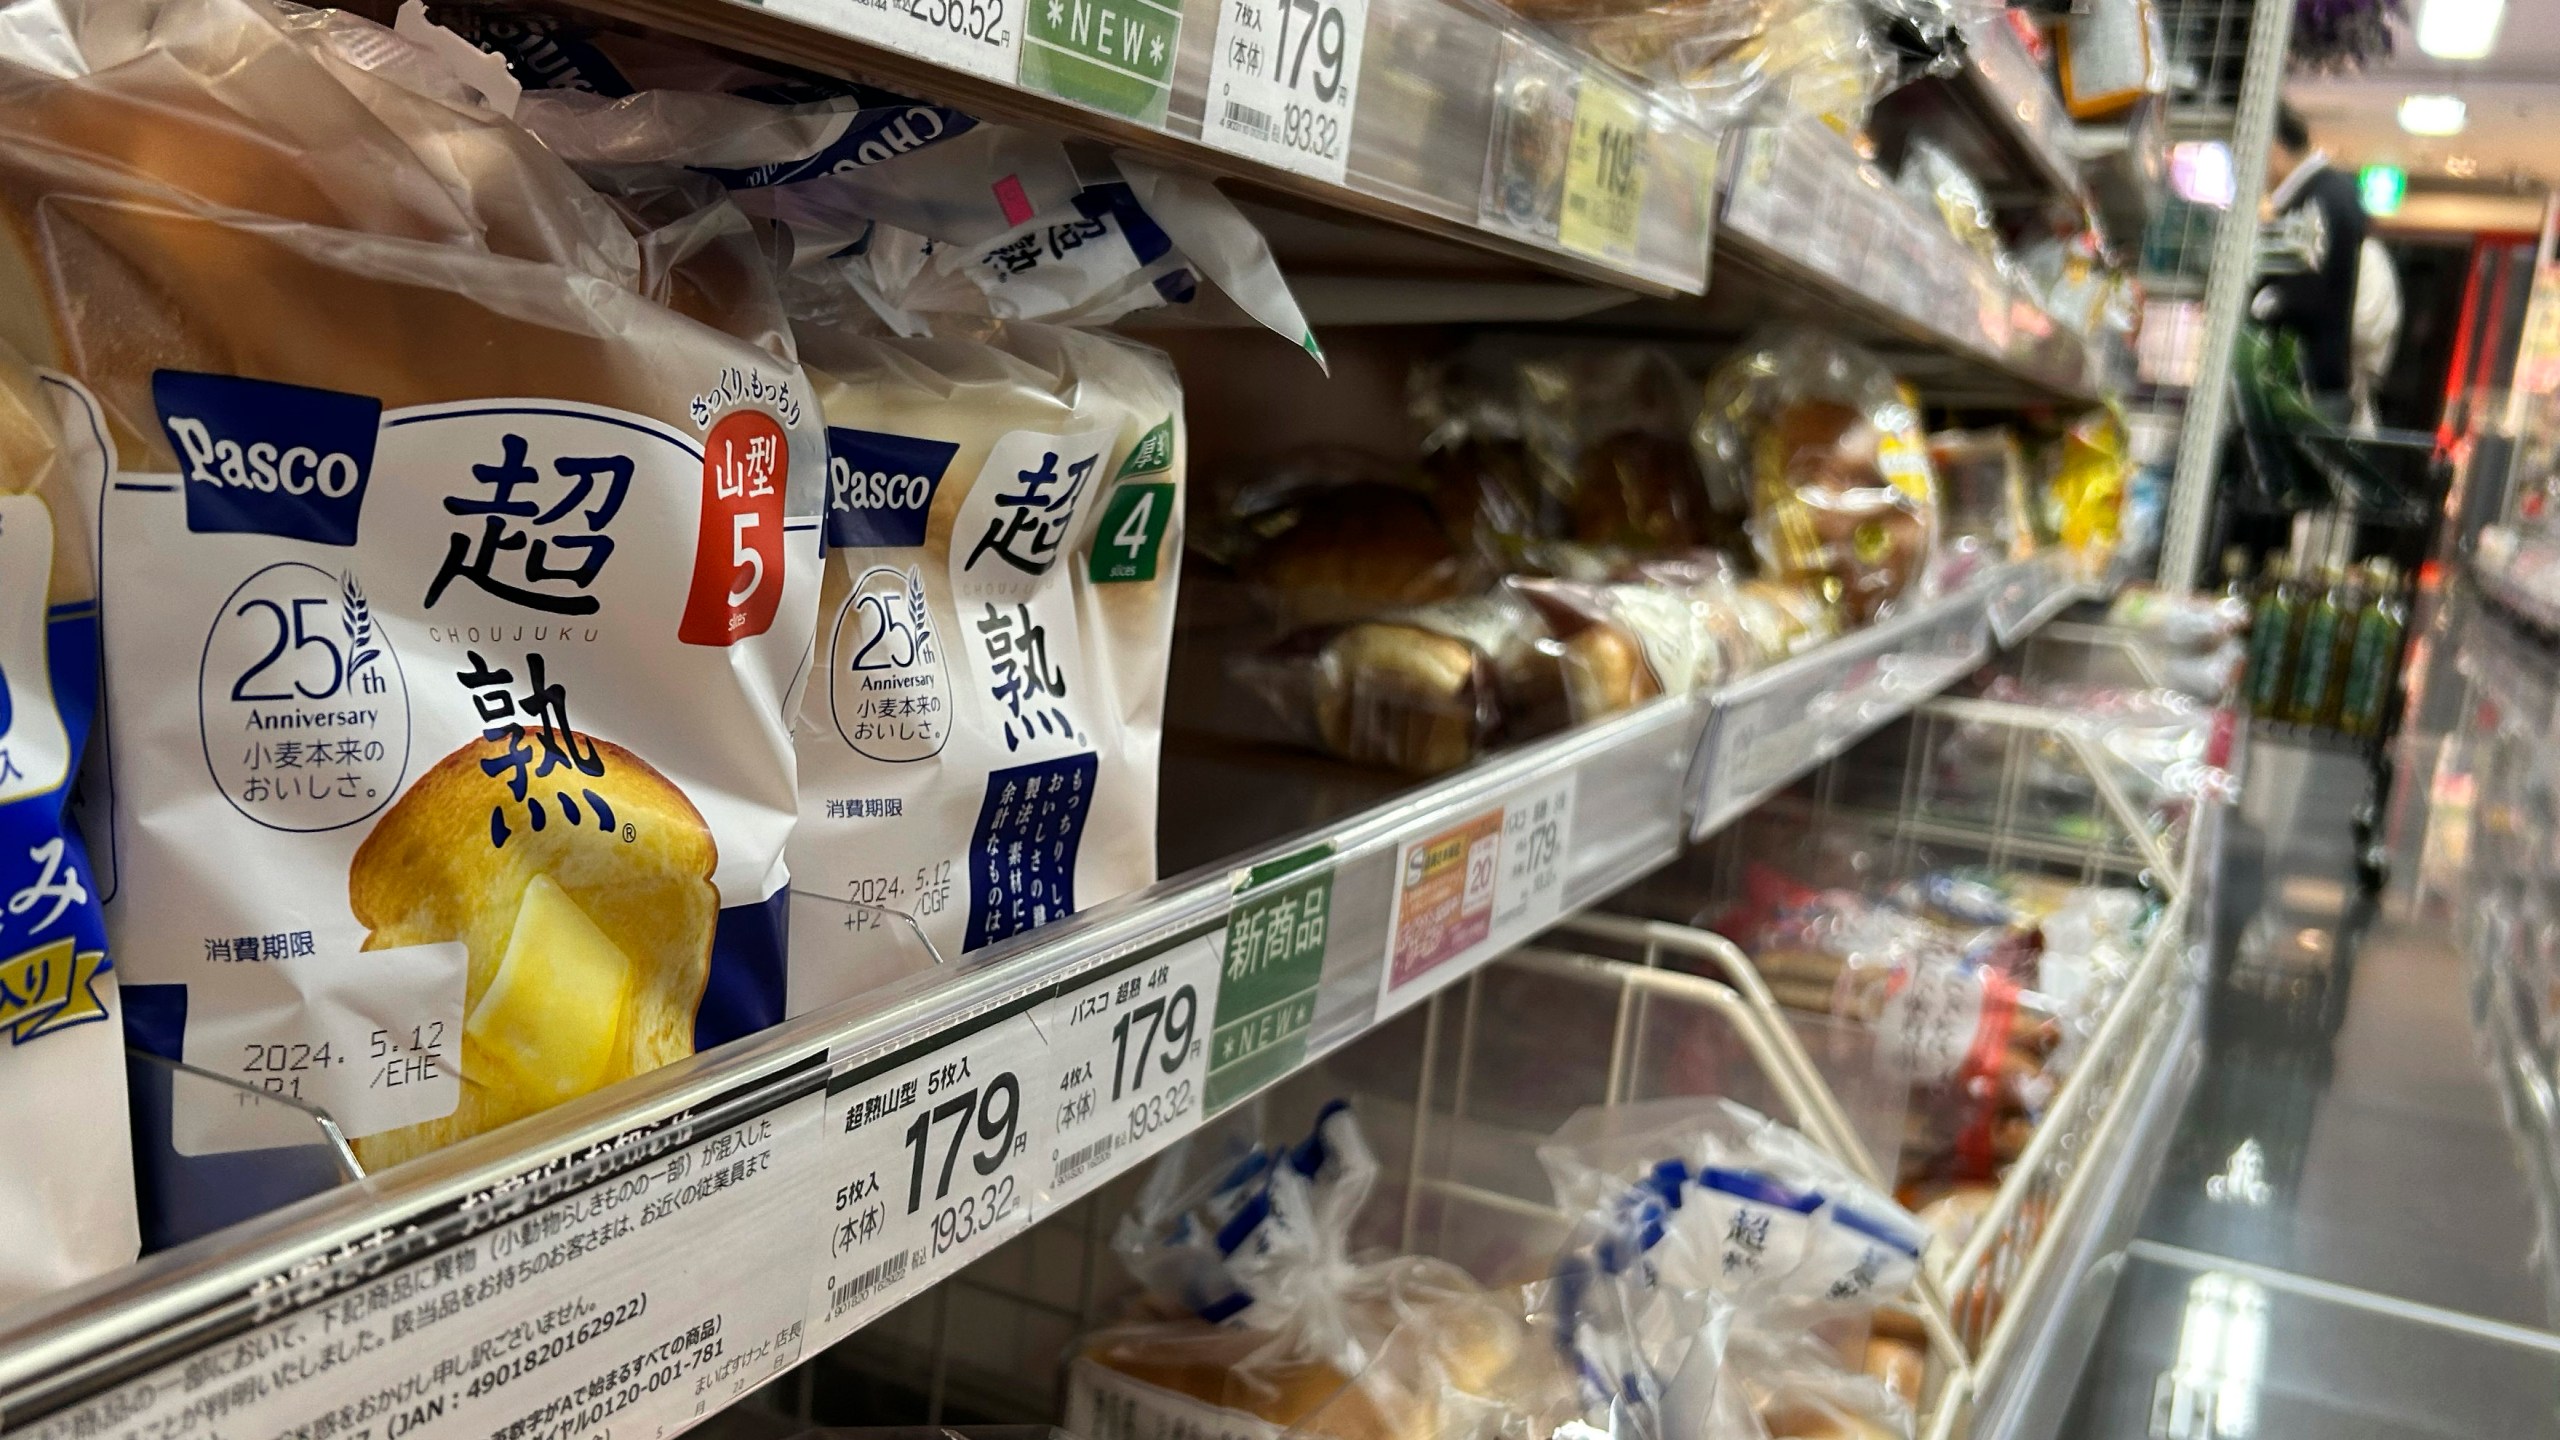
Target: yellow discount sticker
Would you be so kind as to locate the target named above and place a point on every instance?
(1605, 171)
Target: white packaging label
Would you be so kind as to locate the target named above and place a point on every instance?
(1103, 1404)
(1474, 890)
(35, 751)
(630, 1307)
(1930, 1022)
(373, 1039)
(464, 717)
(1284, 82)
(982, 37)
(928, 1160)
(1128, 1057)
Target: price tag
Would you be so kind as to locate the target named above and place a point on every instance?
(1474, 890)
(1128, 1063)
(1284, 82)
(1604, 172)
(928, 1159)
(630, 1305)
(982, 37)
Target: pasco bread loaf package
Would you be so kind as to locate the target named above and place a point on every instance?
(455, 570)
(66, 1190)
(978, 738)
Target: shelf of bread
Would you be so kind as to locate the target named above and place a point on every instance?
(1459, 121)
(1803, 213)
(2013, 93)
(724, 1215)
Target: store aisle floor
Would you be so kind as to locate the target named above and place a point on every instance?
(2341, 1243)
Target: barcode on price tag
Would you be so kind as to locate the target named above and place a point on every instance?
(1605, 171)
(1284, 82)
(1467, 893)
(929, 1158)
(983, 37)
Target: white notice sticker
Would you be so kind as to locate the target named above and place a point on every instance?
(1284, 81)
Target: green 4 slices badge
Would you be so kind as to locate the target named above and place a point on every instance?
(1138, 513)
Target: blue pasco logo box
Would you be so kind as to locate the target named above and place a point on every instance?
(880, 487)
(256, 457)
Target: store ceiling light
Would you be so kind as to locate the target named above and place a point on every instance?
(2460, 29)
(2433, 115)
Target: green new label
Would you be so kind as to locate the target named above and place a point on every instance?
(1114, 55)
(1154, 454)
(1273, 963)
(1134, 521)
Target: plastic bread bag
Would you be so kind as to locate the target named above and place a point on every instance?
(1982, 480)
(1821, 437)
(1328, 536)
(1695, 45)
(1003, 515)
(1423, 690)
(1793, 1387)
(490, 573)
(1257, 1317)
(1476, 460)
(1607, 438)
(1932, 180)
(2091, 463)
(1619, 644)
(66, 1197)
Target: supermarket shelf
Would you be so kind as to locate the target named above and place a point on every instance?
(2000, 118)
(717, 1192)
(1453, 121)
(1811, 231)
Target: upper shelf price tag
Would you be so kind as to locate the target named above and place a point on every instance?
(1605, 171)
(982, 37)
(1284, 82)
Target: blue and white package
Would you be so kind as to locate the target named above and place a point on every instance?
(979, 734)
(452, 588)
(66, 1171)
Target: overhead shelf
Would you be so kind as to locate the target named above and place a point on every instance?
(642, 1254)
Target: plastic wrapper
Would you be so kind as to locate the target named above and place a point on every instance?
(1821, 437)
(2091, 465)
(1256, 1317)
(1475, 459)
(1423, 690)
(1982, 480)
(1002, 526)
(458, 618)
(1794, 1387)
(1933, 180)
(1332, 537)
(1619, 644)
(1607, 435)
(66, 1195)
(1695, 1221)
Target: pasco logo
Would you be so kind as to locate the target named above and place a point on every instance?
(256, 457)
(880, 487)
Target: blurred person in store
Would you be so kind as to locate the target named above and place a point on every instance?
(2320, 218)
(2376, 332)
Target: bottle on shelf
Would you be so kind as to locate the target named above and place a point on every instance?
(2327, 614)
(2271, 638)
(2375, 660)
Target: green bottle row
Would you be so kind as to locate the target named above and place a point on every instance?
(2324, 647)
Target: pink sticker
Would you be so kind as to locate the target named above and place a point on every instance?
(1017, 206)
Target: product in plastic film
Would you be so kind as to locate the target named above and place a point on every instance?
(1824, 441)
(1003, 522)
(66, 1192)
(456, 569)
(1932, 179)
(1332, 536)
(1423, 690)
(1622, 643)
(1607, 434)
(1982, 479)
(2090, 466)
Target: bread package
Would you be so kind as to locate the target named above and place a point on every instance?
(456, 565)
(66, 1193)
(1003, 523)
(1823, 440)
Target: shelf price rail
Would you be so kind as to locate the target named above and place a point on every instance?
(643, 1255)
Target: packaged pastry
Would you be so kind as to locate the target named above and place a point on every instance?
(1332, 536)
(1422, 690)
(1827, 445)
(1256, 1316)
(1003, 520)
(66, 1194)
(1982, 479)
(456, 567)
(1621, 643)
(1607, 436)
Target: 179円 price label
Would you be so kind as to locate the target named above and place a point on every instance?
(1284, 82)
(1128, 1064)
(927, 1165)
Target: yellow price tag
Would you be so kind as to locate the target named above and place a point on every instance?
(1605, 171)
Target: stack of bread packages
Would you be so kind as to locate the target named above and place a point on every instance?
(497, 622)
(1721, 1279)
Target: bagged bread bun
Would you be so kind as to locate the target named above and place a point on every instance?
(66, 1193)
(1003, 529)
(1827, 446)
(458, 558)
(1350, 552)
(1426, 690)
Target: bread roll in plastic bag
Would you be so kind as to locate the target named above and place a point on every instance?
(1422, 690)
(1257, 1317)
(456, 568)
(66, 1193)
(978, 740)
(1821, 437)
(1621, 643)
